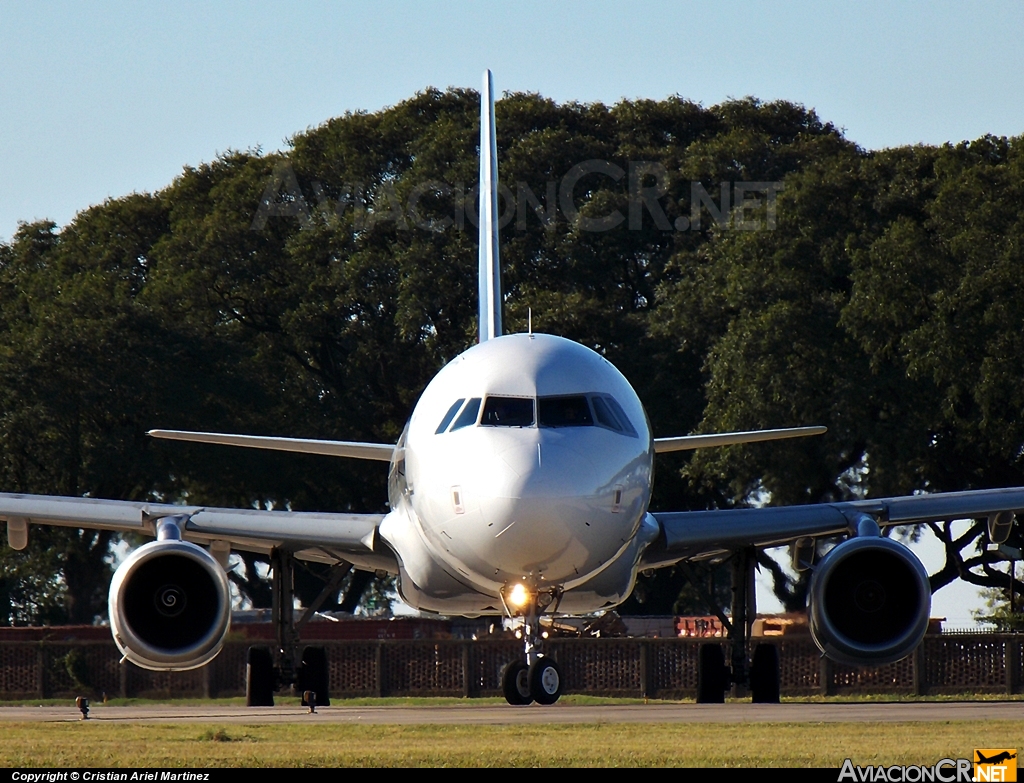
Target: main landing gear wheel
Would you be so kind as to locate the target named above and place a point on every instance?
(315, 676)
(712, 676)
(515, 684)
(764, 674)
(545, 681)
(259, 678)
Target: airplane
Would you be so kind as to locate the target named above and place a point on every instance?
(519, 486)
(996, 759)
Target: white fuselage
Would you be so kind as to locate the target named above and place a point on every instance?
(528, 459)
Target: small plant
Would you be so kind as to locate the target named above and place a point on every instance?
(220, 735)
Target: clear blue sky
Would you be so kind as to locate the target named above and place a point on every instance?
(101, 99)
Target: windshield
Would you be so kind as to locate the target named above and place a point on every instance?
(468, 416)
(507, 412)
(564, 412)
(449, 416)
(579, 410)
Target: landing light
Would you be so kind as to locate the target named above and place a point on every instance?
(518, 596)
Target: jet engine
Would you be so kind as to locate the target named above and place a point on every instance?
(869, 601)
(170, 607)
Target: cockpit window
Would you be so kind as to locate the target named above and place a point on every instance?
(610, 414)
(507, 412)
(468, 416)
(449, 416)
(564, 412)
(604, 414)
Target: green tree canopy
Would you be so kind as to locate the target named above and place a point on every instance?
(314, 292)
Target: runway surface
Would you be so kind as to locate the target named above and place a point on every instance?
(491, 714)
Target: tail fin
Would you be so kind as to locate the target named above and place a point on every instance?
(490, 264)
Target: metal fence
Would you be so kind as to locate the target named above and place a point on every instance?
(654, 668)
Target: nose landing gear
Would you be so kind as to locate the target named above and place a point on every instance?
(539, 682)
(537, 678)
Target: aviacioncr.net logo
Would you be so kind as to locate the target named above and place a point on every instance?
(995, 764)
(943, 771)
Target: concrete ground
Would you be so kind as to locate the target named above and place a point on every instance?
(469, 713)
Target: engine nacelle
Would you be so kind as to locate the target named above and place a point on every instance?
(170, 607)
(869, 602)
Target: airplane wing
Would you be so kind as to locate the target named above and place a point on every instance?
(331, 448)
(322, 537)
(689, 535)
(688, 442)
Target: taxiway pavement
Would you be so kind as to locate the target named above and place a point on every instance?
(491, 714)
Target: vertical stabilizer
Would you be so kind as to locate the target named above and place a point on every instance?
(490, 265)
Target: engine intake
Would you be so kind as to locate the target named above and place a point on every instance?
(170, 607)
(869, 602)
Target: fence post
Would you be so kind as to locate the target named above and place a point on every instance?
(122, 676)
(41, 670)
(467, 674)
(206, 680)
(1011, 662)
(645, 681)
(378, 670)
(920, 681)
(825, 675)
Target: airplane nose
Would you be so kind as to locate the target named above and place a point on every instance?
(541, 508)
(541, 470)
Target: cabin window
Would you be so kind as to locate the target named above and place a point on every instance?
(468, 416)
(564, 412)
(449, 416)
(507, 412)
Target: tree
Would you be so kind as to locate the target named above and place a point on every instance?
(68, 329)
(684, 590)
(1000, 613)
(315, 292)
(885, 307)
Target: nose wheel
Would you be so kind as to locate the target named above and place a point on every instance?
(515, 683)
(545, 680)
(539, 682)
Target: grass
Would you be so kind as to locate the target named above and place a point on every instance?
(631, 745)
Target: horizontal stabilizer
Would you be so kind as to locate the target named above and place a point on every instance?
(687, 442)
(331, 448)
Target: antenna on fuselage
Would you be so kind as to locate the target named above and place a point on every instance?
(490, 268)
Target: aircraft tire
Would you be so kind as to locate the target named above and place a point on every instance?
(545, 679)
(259, 678)
(315, 675)
(712, 676)
(515, 685)
(764, 674)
